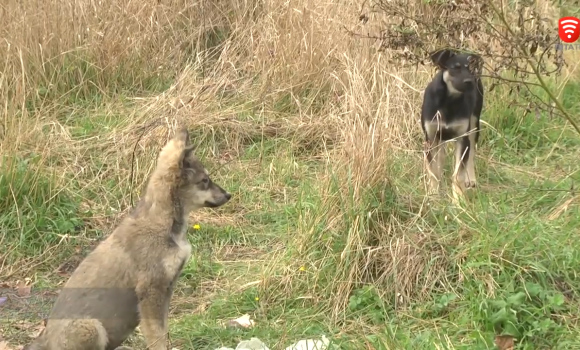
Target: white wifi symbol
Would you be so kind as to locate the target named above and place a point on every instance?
(569, 26)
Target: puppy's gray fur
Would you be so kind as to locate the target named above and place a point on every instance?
(128, 279)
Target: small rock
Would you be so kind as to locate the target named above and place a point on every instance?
(252, 344)
(243, 321)
(310, 344)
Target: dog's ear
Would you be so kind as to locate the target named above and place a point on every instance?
(182, 136)
(188, 150)
(474, 58)
(475, 63)
(185, 155)
(440, 57)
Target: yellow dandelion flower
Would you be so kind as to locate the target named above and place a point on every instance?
(302, 268)
(257, 299)
(196, 227)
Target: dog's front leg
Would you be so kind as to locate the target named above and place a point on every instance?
(434, 151)
(435, 158)
(470, 181)
(460, 176)
(153, 312)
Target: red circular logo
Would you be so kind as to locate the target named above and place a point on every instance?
(569, 29)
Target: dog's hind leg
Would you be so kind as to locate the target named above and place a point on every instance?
(76, 334)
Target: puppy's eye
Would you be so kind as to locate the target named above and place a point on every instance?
(205, 180)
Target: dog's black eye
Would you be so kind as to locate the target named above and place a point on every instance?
(205, 180)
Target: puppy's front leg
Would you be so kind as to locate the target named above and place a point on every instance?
(473, 138)
(153, 312)
(435, 148)
(435, 159)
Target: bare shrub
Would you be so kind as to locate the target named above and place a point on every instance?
(517, 40)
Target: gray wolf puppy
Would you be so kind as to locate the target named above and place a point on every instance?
(451, 109)
(128, 279)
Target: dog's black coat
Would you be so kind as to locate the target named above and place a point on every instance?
(459, 101)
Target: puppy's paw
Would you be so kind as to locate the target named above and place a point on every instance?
(470, 184)
(432, 189)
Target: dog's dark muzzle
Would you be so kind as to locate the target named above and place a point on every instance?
(466, 84)
(226, 198)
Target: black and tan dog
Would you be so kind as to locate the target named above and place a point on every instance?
(128, 279)
(451, 109)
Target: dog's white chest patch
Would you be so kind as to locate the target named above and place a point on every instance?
(458, 127)
(184, 248)
(173, 262)
(450, 88)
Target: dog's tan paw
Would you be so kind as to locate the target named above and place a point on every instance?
(432, 190)
(470, 184)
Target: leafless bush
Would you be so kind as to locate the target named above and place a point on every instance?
(518, 41)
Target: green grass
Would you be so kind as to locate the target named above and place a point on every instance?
(518, 267)
(511, 264)
(291, 248)
(34, 211)
(516, 260)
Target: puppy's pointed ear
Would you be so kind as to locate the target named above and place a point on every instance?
(475, 63)
(440, 57)
(474, 58)
(182, 137)
(185, 155)
(188, 150)
(182, 140)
